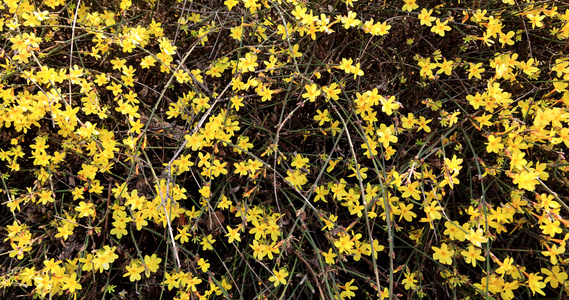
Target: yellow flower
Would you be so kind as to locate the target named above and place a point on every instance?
(183, 235)
(472, 255)
(152, 263)
(348, 290)
(476, 238)
(203, 264)
(346, 65)
(386, 135)
(440, 28)
(133, 271)
(329, 256)
(409, 281)
(171, 280)
(104, 258)
(118, 64)
(233, 234)
(64, 232)
(410, 5)
(350, 20)
(207, 242)
(445, 67)
(312, 91)
(252, 5)
(230, 3)
(555, 276)
(406, 212)
(410, 190)
(475, 70)
(344, 244)
(332, 91)
(535, 284)
(167, 47)
(425, 17)
(426, 67)
(356, 70)
(494, 144)
(279, 277)
(248, 63)
(70, 283)
(322, 117)
(443, 254)
(299, 162)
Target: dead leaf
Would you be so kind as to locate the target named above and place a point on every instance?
(216, 219)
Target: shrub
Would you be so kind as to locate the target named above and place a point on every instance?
(279, 149)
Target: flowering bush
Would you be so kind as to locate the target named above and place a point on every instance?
(268, 149)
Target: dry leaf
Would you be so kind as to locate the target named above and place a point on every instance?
(216, 219)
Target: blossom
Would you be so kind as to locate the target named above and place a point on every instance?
(440, 28)
(443, 254)
(279, 277)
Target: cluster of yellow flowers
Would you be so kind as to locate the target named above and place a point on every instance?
(314, 135)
